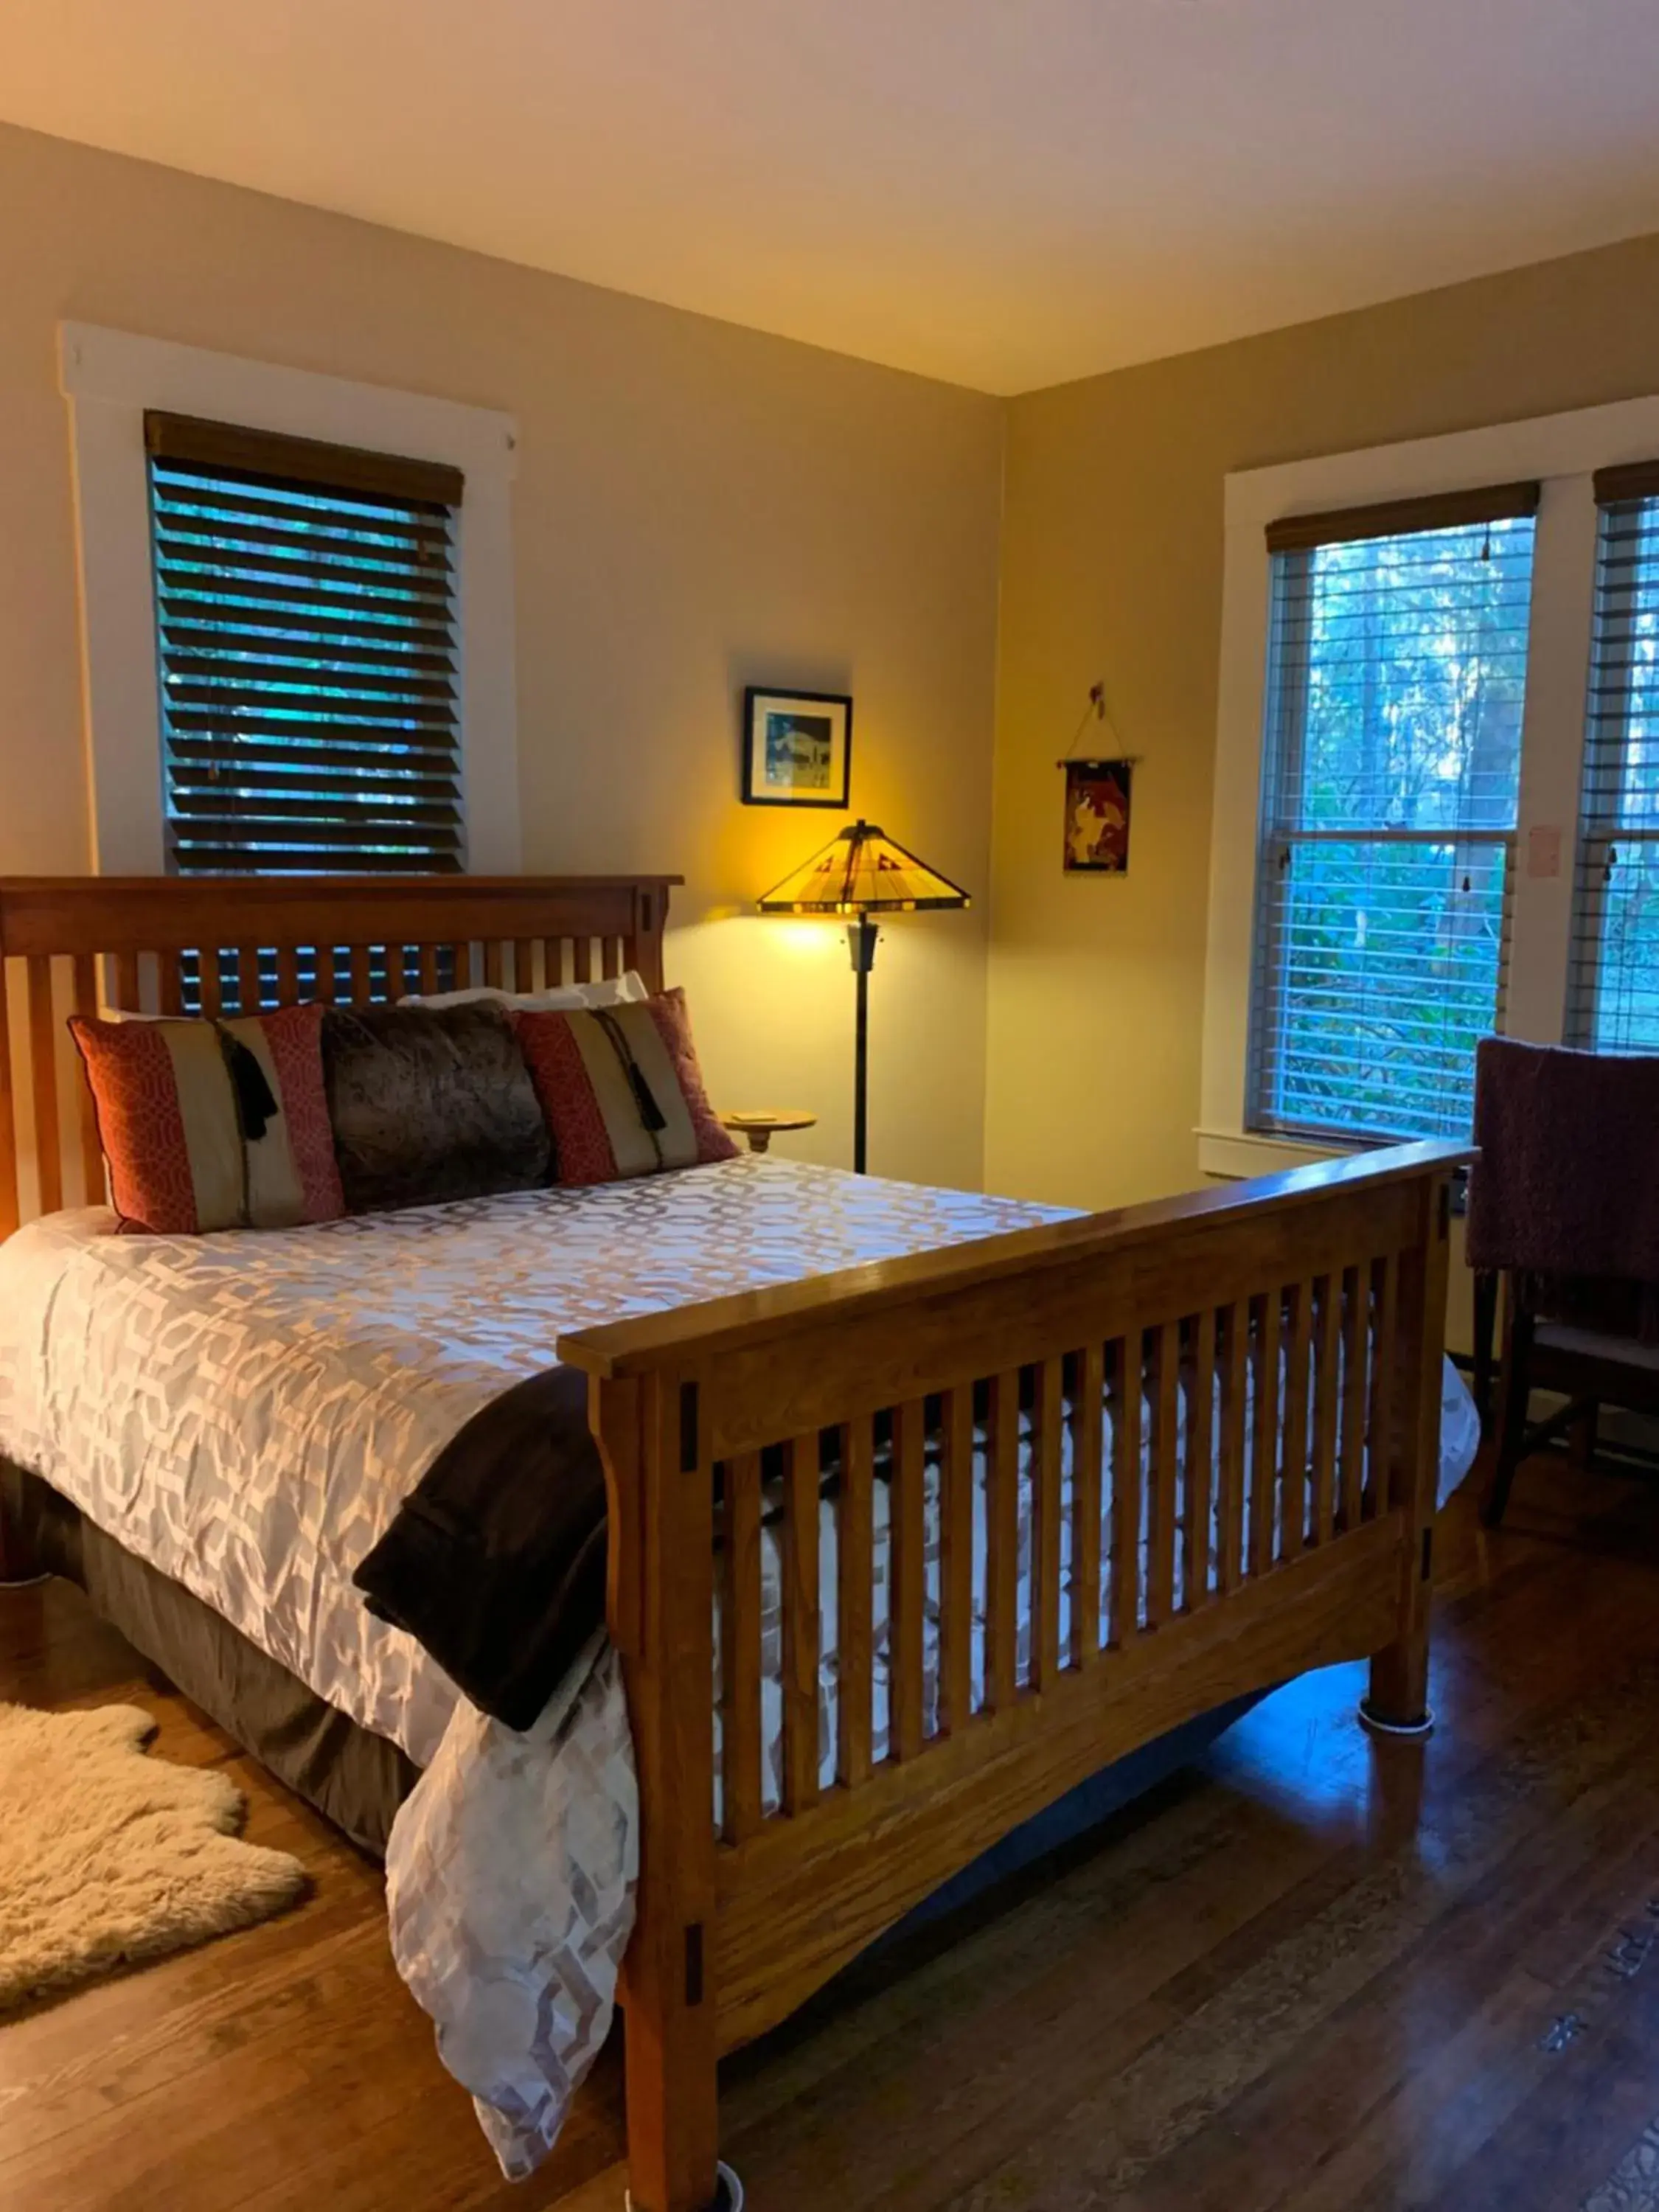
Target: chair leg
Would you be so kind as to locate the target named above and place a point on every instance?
(1486, 1324)
(1512, 1414)
(1581, 1437)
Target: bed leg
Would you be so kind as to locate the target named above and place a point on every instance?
(655, 1449)
(18, 1563)
(673, 2106)
(1397, 1703)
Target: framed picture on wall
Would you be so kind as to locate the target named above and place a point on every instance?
(1098, 817)
(797, 748)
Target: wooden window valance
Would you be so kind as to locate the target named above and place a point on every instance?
(1397, 518)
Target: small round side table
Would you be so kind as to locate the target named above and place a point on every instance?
(760, 1128)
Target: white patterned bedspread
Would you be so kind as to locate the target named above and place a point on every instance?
(246, 1411)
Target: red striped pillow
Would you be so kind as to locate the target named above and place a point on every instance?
(622, 1090)
(186, 1126)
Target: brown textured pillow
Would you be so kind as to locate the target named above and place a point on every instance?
(430, 1105)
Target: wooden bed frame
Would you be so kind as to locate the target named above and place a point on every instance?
(1334, 1277)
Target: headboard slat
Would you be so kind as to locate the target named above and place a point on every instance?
(365, 934)
(43, 1068)
(171, 982)
(10, 1212)
(91, 1153)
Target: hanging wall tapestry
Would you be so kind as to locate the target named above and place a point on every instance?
(1097, 817)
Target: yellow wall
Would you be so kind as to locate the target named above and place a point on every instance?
(1112, 557)
(697, 507)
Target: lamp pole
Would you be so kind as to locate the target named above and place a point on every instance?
(859, 873)
(861, 944)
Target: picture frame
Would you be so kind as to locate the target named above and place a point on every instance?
(797, 748)
(1096, 841)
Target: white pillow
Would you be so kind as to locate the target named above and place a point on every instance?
(562, 999)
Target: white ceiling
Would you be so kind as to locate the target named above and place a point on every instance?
(1004, 192)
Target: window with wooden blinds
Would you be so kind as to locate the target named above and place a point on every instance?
(1613, 969)
(307, 627)
(1397, 664)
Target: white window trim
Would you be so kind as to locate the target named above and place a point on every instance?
(110, 378)
(1562, 452)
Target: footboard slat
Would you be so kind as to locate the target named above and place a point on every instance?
(1087, 1445)
(1327, 1406)
(1234, 1411)
(957, 1560)
(1166, 1473)
(1385, 1279)
(801, 1627)
(1356, 1341)
(908, 1580)
(1046, 1535)
(1126, 1433)
(741, 1645)
(1200, 1464)
(1265, 1442)
(855, 1590)
(1293, 1490)
(1002, 1554)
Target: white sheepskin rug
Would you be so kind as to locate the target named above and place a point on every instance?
(107, 1857)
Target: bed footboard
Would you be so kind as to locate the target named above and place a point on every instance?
(966, 1527)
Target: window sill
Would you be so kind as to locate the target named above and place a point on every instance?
(1233, 1153)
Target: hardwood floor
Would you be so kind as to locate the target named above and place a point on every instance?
(1314, 1974)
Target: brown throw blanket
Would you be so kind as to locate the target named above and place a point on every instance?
(495, 1561)
(1566, 1188)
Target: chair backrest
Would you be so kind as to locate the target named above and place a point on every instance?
(1567, 1180)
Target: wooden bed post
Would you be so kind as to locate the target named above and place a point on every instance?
(1397, 1703)
(653, 1443)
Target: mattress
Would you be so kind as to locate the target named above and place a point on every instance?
(246, 1412)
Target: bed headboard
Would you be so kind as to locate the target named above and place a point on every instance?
(232, 944)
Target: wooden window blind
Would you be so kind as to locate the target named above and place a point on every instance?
(307, 627)
(1402, 518)
(1396, 681)
(1613, 1003)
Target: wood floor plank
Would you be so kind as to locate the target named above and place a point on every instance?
(1315, 1974)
